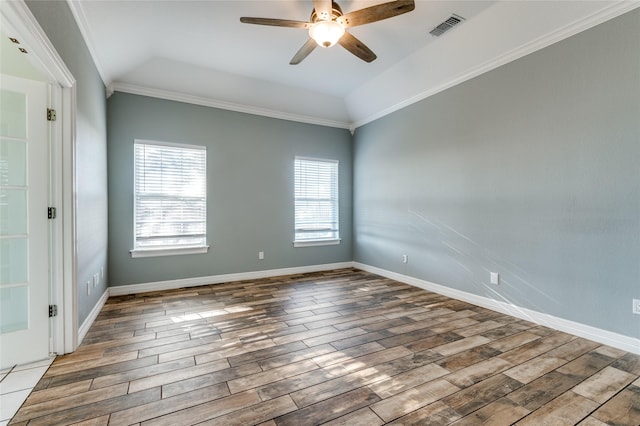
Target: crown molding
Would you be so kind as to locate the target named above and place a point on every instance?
(78, 14)
(214, 103)
(608, 12)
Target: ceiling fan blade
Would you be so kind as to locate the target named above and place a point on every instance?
(376, 13)
(358, 48)
(303, 52)
(323, 9)
(275, 22)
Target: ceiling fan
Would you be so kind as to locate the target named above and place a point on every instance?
(327, 26)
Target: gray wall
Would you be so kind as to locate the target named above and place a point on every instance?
(531, 170)
(249, 187)
(91, 147)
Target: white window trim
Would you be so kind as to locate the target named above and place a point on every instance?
(320, 241)
(171, 144)
(166, 251)
(311, 243)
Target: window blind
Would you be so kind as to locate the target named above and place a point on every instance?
(170, 196)
(316, 199)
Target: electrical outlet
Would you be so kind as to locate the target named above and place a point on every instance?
(636, 306)
(96, 279)
(494, 278)
(260, 255)
(88, 288)
(405, 258)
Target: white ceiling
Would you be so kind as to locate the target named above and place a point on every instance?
(199, 52)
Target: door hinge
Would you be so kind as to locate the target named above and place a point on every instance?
(51, 114)
(51, 212)
(53, 310)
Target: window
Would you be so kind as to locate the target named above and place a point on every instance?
(170, 206)
(316, 202)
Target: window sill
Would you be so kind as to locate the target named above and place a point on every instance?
(311, 243)
(168, 251)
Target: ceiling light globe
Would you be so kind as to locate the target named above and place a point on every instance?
(326, 33)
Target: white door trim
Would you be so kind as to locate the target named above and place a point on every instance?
(18, 19)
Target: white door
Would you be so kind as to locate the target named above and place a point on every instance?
(24, 228)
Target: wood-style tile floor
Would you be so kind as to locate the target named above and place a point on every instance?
(342, 348)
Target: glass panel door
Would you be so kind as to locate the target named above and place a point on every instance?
(24, 241)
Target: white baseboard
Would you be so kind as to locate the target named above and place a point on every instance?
(616, 340)
(619, 341)
(86, 325)
(217, 279)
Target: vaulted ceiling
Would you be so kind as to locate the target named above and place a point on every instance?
(199, 52)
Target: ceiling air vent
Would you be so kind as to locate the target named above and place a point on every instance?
(445, 26)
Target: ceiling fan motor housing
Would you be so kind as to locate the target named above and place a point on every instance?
(336, 12)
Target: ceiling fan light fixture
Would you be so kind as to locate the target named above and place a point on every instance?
(326, 33)
(327, 26)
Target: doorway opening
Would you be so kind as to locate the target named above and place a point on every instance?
(36, 60)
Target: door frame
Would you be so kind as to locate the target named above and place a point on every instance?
(18, 19)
